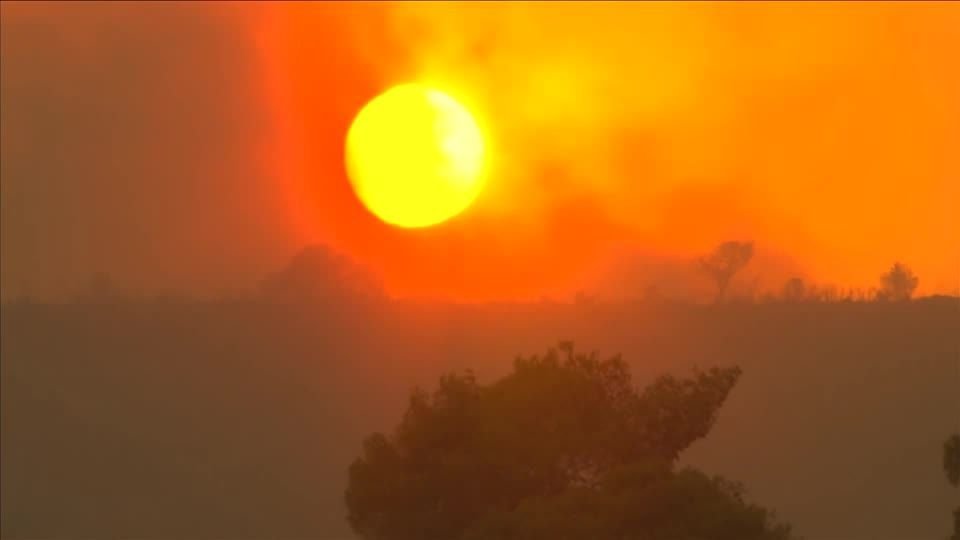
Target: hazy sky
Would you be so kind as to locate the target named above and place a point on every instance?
(197, 146)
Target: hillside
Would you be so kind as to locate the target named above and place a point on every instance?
(238, 418)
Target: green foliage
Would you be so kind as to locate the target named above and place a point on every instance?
(564, 447)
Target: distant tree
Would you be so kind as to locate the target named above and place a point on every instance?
(317, 273)
(794, 290)
(563, 447)
(822, 293)
(951, 467)
(829, 293)
(724, 262)
(898, 283)
(864, 295)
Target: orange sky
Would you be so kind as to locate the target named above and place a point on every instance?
(825, 132)
(828, 133)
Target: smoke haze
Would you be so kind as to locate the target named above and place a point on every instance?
(197, 146)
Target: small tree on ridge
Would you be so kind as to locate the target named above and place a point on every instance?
(724, 262)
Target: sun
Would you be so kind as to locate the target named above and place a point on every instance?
(415, 156)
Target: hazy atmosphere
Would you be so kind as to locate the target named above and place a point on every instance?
(480, 271)
(195, 146)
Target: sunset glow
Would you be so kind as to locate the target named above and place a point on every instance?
(621, 138)
(480, 270)
(613, 133)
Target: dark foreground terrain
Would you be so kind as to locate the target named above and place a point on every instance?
(238, 418)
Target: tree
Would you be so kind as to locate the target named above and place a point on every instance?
(898, 283)
(318, 274)
(951, 467)
(726, 260)
(794, 290)
(563, 447)
(951, 460)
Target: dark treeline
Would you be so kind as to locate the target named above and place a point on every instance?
(238, 418)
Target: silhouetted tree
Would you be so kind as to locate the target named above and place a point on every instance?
(951, 459)
(318, 274)
(898, 283)
(794, 290)
(951, 467)
(563, 447)
(724, 262)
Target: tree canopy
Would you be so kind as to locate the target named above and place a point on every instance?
(898, 283)
(951, 459)
(951, 467)
(564, 447)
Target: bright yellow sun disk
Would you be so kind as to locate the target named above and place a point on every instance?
(415, 156)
